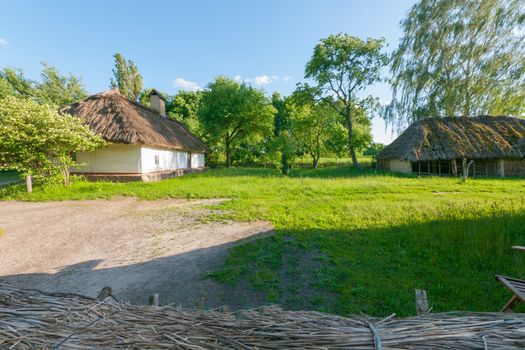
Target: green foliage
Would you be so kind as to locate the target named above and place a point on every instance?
(313, 125)
(14, 83)
(144, 98)
(459, 57)
(283, 145)
(374, 149)
(343, 65)
(126, 78)
(36, 140)
(377, 236)
(59, 90)
(184, 107)
(54, 88)
(232, 113)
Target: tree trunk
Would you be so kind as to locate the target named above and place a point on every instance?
(354, 158)
(66, 177)
(284, 165)
(454, 167)
(29, 184)
(315, 161)
(466, 167)
(228, 155)
(349, 128)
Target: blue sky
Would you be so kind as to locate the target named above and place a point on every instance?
(184, 44)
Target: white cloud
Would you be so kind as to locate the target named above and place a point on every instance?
(187, 85)
(3, 41)
(262, 80)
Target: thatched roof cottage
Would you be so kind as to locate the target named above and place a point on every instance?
(437, 146)
(142, 143)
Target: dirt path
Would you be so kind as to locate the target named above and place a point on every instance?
(136, 247)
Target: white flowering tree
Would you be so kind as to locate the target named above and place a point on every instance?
(36, 140)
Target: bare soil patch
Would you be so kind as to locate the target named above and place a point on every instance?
(136, 247)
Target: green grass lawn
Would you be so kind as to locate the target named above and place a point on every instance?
(349, 241)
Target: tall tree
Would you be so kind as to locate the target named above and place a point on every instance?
(15, 83)
(283, 142)
(57, 89)
(233, 112)
(459, 57)
(53, 88)
(126, 77)
(342, 66)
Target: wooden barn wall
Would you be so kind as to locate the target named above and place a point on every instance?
(383, 164)
(480, 167)
(514, 167)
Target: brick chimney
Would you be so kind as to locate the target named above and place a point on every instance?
(157, 102)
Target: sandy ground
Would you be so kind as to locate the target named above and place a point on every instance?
(136, 247)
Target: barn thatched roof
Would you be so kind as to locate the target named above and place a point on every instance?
(459, 137)
(120, 120)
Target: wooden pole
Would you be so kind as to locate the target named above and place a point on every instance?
(501, 166)
(29, 184)
(154, 299)
(104, 293)
(454, 167)
(422, 306)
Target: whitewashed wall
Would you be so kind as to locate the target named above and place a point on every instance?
(168, 159)
(115, 158)
(134, 159)
(197, 160)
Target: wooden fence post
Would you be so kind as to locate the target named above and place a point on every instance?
(421, 302)
(154, 299)
(29, 184)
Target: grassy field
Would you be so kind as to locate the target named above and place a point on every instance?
(349, 241)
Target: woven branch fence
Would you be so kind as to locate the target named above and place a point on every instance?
(30, 319)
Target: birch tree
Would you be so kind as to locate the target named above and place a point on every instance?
(459, 58)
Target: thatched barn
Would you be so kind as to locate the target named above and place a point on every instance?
(143, 144)
(441, 146)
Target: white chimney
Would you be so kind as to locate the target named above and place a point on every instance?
(157, 103)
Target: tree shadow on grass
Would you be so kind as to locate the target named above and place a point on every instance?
(376, 271)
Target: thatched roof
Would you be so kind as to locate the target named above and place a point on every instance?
(120, 120)
(459, 137)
